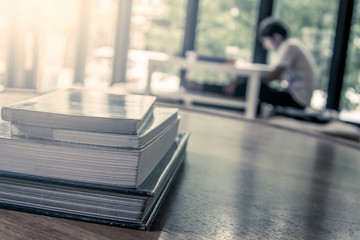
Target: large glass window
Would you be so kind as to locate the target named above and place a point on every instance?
(350, 98)
(313, 22)
(41, 41)
(37, 43)
(227, 28)
(99, 45)
(56, 44)
(4, 22)
(157, 29)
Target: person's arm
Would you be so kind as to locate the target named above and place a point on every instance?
(273, 75)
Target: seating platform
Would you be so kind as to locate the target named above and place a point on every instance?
(191, 98)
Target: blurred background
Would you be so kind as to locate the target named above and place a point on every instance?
(51, 44)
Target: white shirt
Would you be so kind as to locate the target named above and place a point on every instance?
(301, 69)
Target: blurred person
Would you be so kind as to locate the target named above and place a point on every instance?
(292, 59)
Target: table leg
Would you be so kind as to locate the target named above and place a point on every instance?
(148, 80)
(252, 95)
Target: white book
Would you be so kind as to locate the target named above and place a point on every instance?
(81, 109)
(95, 164)
(159, 121)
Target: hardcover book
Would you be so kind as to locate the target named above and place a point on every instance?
(83, 162)
(81, 109)
(128, 207)
(159, 121)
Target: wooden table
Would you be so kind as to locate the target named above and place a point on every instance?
(242, 179)
(250, 70)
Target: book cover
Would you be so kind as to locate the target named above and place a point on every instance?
(128, 207)
(158, 122)
(82, 109)
(83, 162)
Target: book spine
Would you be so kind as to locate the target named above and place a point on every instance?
(6, 114)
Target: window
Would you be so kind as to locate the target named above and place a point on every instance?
(37, 43)
(314, 24)
(56, 44)
(4, 33)
(225, 30)
(157, 29)
(350, 98)
(99, 42)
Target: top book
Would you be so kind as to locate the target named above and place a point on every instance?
(81, 109)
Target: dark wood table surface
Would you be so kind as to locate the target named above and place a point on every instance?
(241, 180)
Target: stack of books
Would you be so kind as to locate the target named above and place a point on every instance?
(89, 155)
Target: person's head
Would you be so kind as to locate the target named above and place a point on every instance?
(272, 32)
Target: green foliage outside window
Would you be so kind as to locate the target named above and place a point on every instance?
(350, 99)
(166, 27)
(227, 25)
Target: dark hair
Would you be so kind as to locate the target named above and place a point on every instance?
(269, 26)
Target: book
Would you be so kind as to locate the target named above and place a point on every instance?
(81, 109)
(83, 162)
(127, 207)
(160, 120)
